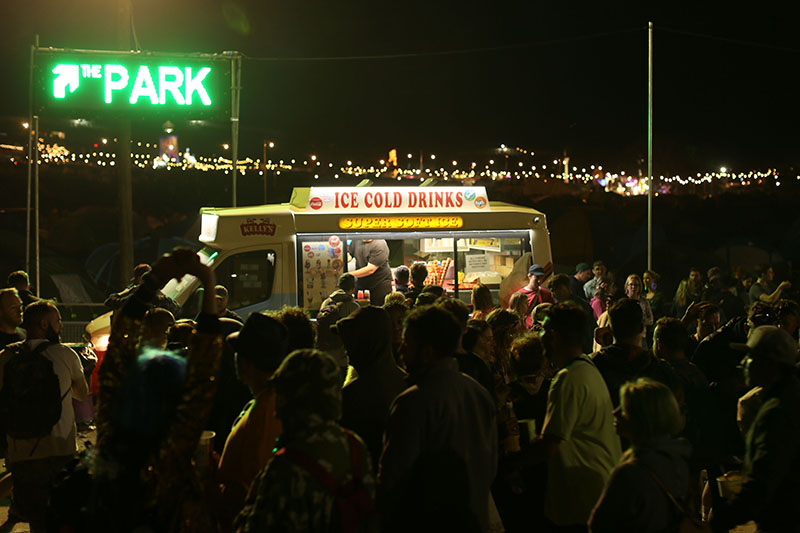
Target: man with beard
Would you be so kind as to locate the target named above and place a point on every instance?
(35, 462)
(444, 418)
(10, 317)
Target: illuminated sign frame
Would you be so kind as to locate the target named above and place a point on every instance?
(399, 223)
(132, 84)
(393, 199)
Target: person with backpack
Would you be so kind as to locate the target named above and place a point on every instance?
(39, 378)
(320, 478)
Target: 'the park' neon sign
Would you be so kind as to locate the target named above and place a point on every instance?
(129, 83)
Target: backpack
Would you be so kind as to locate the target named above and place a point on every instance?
(354, 506)
(30, 400)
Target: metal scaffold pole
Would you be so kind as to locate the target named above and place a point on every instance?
(650, 180)
(236, 88)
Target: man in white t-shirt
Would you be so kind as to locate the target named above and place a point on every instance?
(578, 436)
(34, 463)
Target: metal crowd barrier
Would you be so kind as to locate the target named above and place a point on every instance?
(75, 317)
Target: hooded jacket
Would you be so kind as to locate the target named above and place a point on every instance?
(633, 500)
(340, 296)
(367, 398)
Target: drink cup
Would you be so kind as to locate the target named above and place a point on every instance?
(730, 484)
(203, 454)
(527, 430)
(360, 295)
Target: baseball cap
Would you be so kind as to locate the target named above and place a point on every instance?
(263, 340)
(770, 342)
(580, 267)
(369, 318)
(536, 270)
(220, 291)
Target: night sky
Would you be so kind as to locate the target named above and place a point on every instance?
(547, 77)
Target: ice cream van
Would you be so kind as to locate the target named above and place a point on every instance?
(268, 256)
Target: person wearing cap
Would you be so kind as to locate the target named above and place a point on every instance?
(771, 470)
(221, 295)
(583, 273)
(367, 337)
(534, 291)
(286, 496)
(260, 346)
(789, 316)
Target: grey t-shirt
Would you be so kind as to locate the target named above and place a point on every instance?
(757, 289)
(376, 253)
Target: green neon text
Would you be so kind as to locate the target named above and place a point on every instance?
(161, 85)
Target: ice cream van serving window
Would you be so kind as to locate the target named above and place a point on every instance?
(322, 257)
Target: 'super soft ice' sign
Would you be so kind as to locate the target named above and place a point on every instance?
(78, 82)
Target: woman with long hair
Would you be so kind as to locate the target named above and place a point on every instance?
(518, 303)
(653, 471)
(482, 302)
(506, 326)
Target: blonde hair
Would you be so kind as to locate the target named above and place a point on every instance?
(519, 303)
(394, 297)
(651, 409)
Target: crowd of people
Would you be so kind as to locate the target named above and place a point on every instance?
(573, 406)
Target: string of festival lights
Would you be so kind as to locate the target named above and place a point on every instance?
(144, 155)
